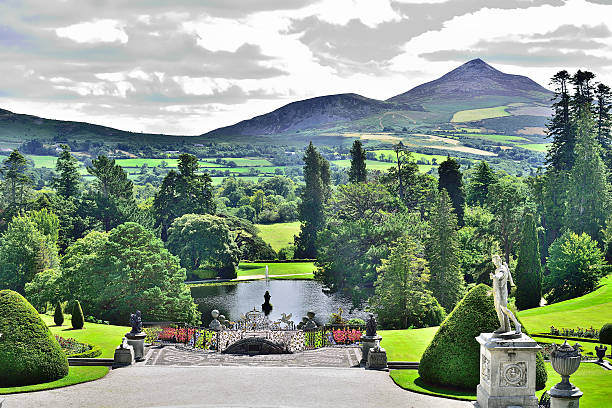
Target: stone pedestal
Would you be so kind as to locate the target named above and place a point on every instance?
(507, 371)
(565, 398)
(368, 342)
(136, 340)
(124, 355)
(377, 359)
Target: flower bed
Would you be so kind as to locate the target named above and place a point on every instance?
(75, 349)
(578, 332)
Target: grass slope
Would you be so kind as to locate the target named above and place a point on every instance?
(304, 269)
(479, 114)
(406, 345)
(280, 234)
(108, 337)
(76, 375)
(536, 147)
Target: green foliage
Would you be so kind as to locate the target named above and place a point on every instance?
(541, 374)
(478, 187)
(183, 192)
(477, 243)
(29, 353)
(58, 315)
(78, 320)
(314, 196)
(528, 271)
(204, 241)
(125, 270)
(574, 267)
(450, 179)
(44, 289)
(605, 334)
(452, 359)
(560, 156)
(447, 283)
(401, 297)
(358, 172)
(17, 183)
(68, 181)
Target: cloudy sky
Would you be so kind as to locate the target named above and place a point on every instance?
(189, 66)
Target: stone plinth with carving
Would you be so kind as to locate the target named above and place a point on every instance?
(368, 342)
(507, 371)
(124, 355)
(377, 359)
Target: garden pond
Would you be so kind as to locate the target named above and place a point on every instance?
(296, 297)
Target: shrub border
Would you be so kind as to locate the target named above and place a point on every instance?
(94, 351)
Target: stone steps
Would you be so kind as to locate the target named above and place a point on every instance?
(104, 362)
(403, 365)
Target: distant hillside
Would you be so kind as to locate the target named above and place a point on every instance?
(311, 113)
(475, 79)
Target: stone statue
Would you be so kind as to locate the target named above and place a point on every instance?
(136, 322)
(371, 325)
(266, 306)
(215, 324)
(501, 278)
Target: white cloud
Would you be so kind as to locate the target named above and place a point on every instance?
(96, 31)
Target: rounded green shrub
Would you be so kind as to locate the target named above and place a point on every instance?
(605, 334)
(29, 353)
(58, 316)
(452, 359)
(78, 320)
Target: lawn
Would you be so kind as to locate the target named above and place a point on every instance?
(304, 269)
(108, 337)
(76, 375)
(479, 114)
(536, 147)
(406, 345)
(280, 234)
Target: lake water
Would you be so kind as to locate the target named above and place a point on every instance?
(287, 296)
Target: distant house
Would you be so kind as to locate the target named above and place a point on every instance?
(171, 152)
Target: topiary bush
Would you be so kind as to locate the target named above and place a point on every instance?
(78, 320)
(58, 316)
(452, 359)
(29, 353)
(605, 334)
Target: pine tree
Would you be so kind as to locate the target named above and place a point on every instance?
(446, 283)
(603, 96)
(560, 155)
(450, 179)
(314, 197)
(78, 320)
(528, 269)
(58, 316)
(17, 184)
(478, 188)
(68, 182)
(588, 197)
(358, 172)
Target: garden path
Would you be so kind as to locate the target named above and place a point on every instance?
(231, 387)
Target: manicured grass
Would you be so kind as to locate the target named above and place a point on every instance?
(108, 337)
(76, 375)
(593, 309)
(479, 114)
(406, 345)
(280, 268)
(410, 380)
(280, 234)
(536, 147)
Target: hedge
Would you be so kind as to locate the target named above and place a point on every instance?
(29, 353)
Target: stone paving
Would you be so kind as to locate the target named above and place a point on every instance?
(339, 357)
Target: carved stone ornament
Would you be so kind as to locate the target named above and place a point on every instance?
(486, 369)
(513, 374)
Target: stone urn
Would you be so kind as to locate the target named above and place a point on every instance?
(601, 353)
(565, 360)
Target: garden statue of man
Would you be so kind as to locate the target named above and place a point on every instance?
(501, 277)
(136, 322)
(371, 325)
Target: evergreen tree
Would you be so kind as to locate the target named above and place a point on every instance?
(183, 192)
(16, 185)
(478, 187)
(447, 283)
(588, 198)
(314, 197)
(450, 179)
(528, 268)
(560, 155)
(58, 316)
(78, 320)
(68, 181)
(358, 172)
(603, 95)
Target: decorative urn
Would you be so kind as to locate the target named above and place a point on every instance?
(601, 352)
(565, 360)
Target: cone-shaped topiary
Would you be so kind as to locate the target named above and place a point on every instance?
(29, 353)
(452, 359)
(78, 320)
(58, 316)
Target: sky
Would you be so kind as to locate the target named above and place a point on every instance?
(190, 66)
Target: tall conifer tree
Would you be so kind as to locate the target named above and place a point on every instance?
(478, 188)
(450, 179)
(68, 181)
(358, 172)
(528, 269)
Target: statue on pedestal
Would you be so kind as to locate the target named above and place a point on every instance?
(501, 278)
(371, 326)
(136, 322)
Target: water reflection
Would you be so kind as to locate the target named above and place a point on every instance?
(287, 296)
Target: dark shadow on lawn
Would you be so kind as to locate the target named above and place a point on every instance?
(446, 391)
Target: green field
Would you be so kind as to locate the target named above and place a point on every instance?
(536, 147)
(303, 269)
(279, 235)
(76, 375)
(496, 137)
(244, 161)
(479, 114)
(43, 161)
(416, 156)
(370, 164)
